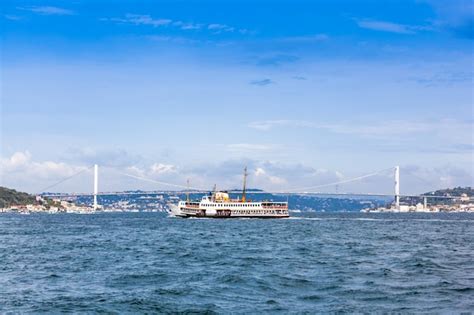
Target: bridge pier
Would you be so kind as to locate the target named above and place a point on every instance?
(96, 185)
(397, 187)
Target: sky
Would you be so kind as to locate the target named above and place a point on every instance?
(303, 93)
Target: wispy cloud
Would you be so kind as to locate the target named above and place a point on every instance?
(146, 19)
(12, 17)
(455, 17)
(141, 19)
(220, 28)
(21, 166)
(173, 39)
(187, 26)
(160, 168)
(455, 130)
(430, 179)
(21, 171)
(263, 82)
(304, 38)
(47, 10)
(385, 26)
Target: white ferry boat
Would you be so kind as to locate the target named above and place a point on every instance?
(219, 205)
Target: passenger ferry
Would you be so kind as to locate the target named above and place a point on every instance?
(218, 204)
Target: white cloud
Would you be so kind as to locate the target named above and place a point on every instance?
(304, 39)
(20, 171)
(261, 177)
(172, 39)
(391, 27)
(135, 170)
(385, 26)
(47, 10)
(259, 171)
(188, 26)
(16, 161)
(145, 19)
(141, 19)
(420, 179)
(12, 17)
(220, 27)
(159, 168)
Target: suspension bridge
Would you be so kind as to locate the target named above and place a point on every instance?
(309, 190)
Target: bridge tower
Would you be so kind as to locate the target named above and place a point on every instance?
(397, 187)
(96, 185)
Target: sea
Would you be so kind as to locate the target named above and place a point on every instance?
(310, 263)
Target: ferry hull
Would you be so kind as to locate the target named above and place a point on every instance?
(235, 217)
(229, 214)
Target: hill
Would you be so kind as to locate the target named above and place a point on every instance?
(9, 197)
(456, 191)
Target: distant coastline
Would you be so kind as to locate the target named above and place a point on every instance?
(13, 201)
(458, 199)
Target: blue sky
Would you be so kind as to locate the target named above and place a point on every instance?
(303, 92)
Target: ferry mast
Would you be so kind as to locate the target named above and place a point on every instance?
(245, 184)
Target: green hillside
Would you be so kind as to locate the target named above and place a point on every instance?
(456, 191)
(9, 197)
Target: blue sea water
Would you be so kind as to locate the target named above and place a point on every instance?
(313, 263)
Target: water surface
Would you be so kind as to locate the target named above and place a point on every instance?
(147, 262)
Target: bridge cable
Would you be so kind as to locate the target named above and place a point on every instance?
(160, 182)
(64, 179)
(340, 182)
